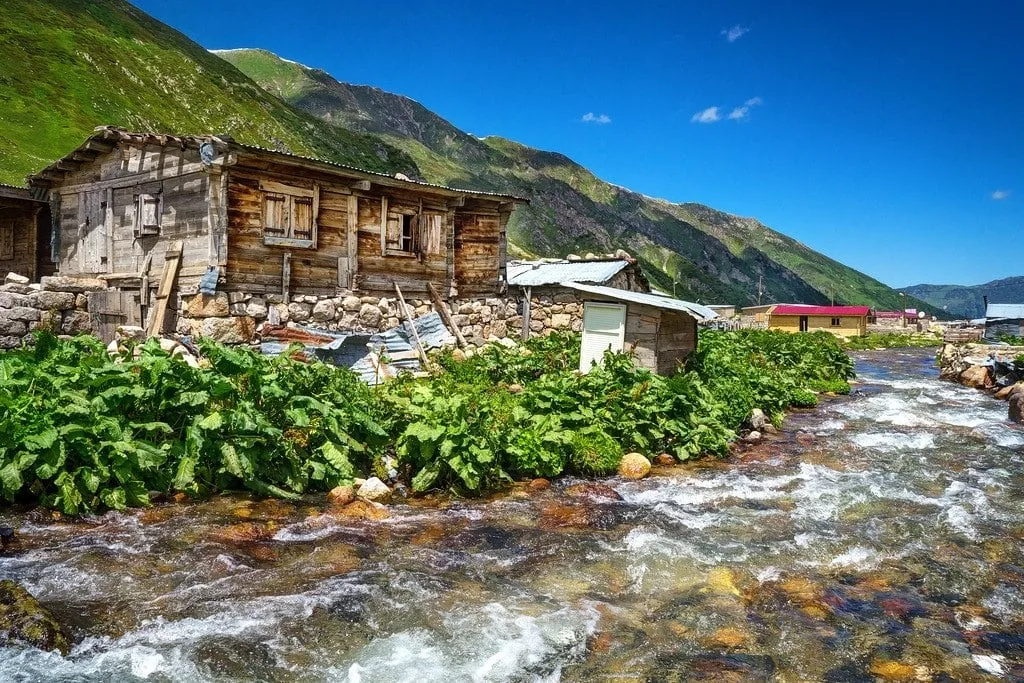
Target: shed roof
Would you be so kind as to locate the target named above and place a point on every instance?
(536, 273)
(1004, 311)
(839, 311)
(110, 135)
(700, 313)
(15, 192)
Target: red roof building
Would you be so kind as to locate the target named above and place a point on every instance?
(842, 321)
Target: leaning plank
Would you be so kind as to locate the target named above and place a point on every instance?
(442, 308)
(171, 262)
(412, 324)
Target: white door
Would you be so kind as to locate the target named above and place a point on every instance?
(604, 327)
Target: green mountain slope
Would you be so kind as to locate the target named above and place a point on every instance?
(711, 256)
(962, 301)
(67, 66)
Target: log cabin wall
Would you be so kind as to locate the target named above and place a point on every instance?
(19, 221)
(129, 205)
(364, 238)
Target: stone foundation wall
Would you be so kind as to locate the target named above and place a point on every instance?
(235, 317)
(56, 303)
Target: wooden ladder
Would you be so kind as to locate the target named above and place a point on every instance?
(172, 262)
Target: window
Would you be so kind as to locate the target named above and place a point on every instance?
(410, 233)
(289, 215)
(836, 322)
(147, 215)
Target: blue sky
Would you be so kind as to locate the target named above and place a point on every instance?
(887, 135)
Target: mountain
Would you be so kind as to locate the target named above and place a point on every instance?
(712, 255)
(67, 66)
(962, 301)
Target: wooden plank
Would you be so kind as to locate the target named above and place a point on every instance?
(163, 293)
(286, 275)
(446, 316)
(344, 274)
(383, 225)
(412, 324)
(352, 239)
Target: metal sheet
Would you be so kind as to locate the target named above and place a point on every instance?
(700, 313)
(537, 273)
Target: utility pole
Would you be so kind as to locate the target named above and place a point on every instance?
(760, 288)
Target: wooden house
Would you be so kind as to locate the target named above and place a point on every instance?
(1004, 320)
(659, 331)
(24, 234)
(842, 321)
(235, 218)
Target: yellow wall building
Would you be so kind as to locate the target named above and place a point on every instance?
(842, 321)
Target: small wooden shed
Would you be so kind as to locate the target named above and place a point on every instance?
(24, 234)
(658, 330)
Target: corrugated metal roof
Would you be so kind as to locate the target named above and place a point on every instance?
(369, 355)
(700, 313)
(537, 273)
(1005, 311)
(783, 309)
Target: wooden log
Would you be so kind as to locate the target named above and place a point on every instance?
(446, 316)
(163, 294)
(412, 324)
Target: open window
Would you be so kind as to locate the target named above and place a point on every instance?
(289, 215)
(836, 322)
(413, 233)
(147, 214)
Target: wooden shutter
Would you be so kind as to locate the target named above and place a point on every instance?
(148, 214)
(275, 215)
(431, 233)
(6, 240)
(604, 327)
(302, 218)
(393, 236)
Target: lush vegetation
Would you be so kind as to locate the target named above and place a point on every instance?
(1010, 339)
(86, 431)
(892, 340)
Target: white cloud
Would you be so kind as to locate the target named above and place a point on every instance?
(1000, 194)
(735, 33)
(709, 115)
(591, 117)
(743, 111)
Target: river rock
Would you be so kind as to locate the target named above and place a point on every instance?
(374, 490)
(757, 419)
(539, 484)
(665, 459)
(362, 509)
(1004, 393)
(753, 437)
(1017, 406)
(341, 495)
(592, 490)
(24, 620)
(976, 376)
(634, 466)
(769, 428)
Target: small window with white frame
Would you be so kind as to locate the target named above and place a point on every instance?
(837, 322)
(289, 215)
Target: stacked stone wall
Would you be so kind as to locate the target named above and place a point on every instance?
(58, 304)
(235, 317)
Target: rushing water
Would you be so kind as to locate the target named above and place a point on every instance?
(878, 535)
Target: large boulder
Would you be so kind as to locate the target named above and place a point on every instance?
(237, 330)
(24, 620)
(374, 490)
(204, 306)
(976, 376)
(1017, 404)
(323, 311)
(340, 496)
(59, 283)
(52, 301)
(15, 279)
(634, 466)
(757, 419)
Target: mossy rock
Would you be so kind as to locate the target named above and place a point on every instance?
(24, 620)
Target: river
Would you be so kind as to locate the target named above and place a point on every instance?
(878, 535)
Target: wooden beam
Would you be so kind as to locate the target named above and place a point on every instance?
(108, 225)
(352, 241)
(286, 275)
(163, 294)
(412, 325)
(363, 185)
(446, 316)
(525, 333)
(383, 225)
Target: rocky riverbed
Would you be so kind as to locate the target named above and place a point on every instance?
(877, 536)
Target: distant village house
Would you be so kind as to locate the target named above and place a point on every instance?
(1004, 320)
(842, 321)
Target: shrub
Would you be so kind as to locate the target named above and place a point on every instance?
(594, 452)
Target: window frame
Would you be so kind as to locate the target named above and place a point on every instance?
(147, 229)
(836, 321)
(289, 194)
